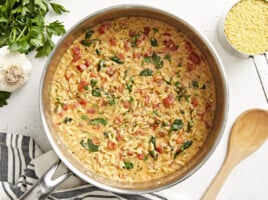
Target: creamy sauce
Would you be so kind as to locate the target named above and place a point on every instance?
(133, 99)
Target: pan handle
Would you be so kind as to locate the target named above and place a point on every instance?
(45, 185)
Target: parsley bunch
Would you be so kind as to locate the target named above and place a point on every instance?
(23, 27)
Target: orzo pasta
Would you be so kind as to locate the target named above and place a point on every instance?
(133, 99)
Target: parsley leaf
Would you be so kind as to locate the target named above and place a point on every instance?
(23, 26)
(3, 98)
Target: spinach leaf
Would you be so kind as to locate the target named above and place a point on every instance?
(97, 121)
(146, 72)
(176, 125)
(89, 145)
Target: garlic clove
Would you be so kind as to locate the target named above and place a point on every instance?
(15, 69)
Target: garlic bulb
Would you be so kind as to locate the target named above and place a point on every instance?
(15, 69)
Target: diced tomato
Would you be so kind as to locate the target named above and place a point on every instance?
(111, 145)
(208, 106)
(194, 57)
(166, 34)
(136, 55)
(159, 150)
(92, 75)
(161, 133)
(201, 115)
(170, 45)
(190, 67)
(168, 101)
(82, 102)
(139, 132)
(111, 71)
(194, 101)
(76, 50)
(157, 79)
(118, 120)
(65, 106)
(146, 30)
(188, 46)
(132, 33)
(180, 141)
(68, 76)
(157, 105)
(91, 111)
(112, 41)
(76, 54)
(147, 100)
(129, 153)
(103, 27)
(82, 85)
(120, 56)
(81, 67)
(140, 156)
(87, 63)
(127, 105)
(96, 141)
(155, 125)
(118, 136)
(127, 45)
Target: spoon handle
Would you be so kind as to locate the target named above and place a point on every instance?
(216, 184)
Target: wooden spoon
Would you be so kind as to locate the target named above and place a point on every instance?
(248, 133)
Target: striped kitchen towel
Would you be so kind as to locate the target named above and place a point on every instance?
(22, 164)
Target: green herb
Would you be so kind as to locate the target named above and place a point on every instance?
(84, 117)
(146, 72)
(153, 141)
(128, 165)
(89, 34)
(67, 120)
(101, 65)
(106, 135)
(93, 83)
(23, 26)
(111, 102)
(156, 112)
(129, 87)
(89, 145)
(87, 43)
(195, 84)
(155, 30)
(96, 92)
(154, 42)
(189, 127)
(176, 125)
(147, 59)
(157, 61)
(117, 60)
(186, 145)
(153, 154)
(131, 99)
(168, 81)
(203, 86)
(134, 40)
(3, 98)
(167, 57)
(97, 121)
(97, 52)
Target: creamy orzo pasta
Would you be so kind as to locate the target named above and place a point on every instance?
(133, 99)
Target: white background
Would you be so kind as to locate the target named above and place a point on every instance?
(249, 180)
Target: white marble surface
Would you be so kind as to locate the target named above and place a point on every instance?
(249, 180)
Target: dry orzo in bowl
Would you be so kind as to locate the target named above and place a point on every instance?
(134, 100)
